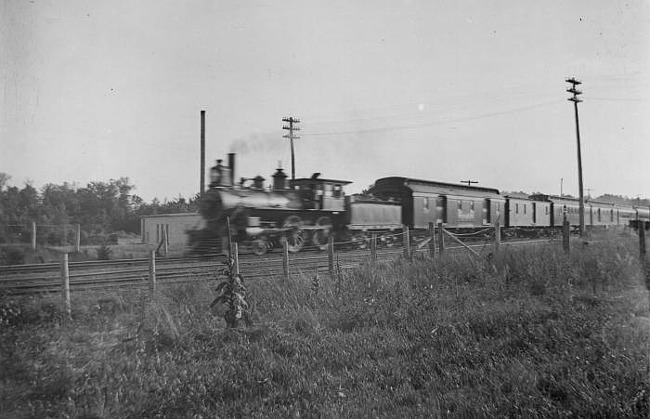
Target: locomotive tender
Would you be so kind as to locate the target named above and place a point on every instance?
(305, 212)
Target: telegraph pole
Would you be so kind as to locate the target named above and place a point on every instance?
(202, 175)
(291, 128)
(575, 101)
(469, 182)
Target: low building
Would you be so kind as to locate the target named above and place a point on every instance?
(175, 226)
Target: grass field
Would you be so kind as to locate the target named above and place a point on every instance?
(531, 333)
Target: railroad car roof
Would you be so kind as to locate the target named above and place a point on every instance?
(395, 183)
(567, 199)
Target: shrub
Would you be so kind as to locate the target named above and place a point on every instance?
(104, 252)
(12, 256)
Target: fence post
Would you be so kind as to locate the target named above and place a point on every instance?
(230, 238)
(373, 247)
(330, 254)
(566, 233)
(77, 241)
(642, 248)
(497, 237)
(441, 239)
(432, 240)
(33, 235)
(235, 254)
(407, 241)
(566, 230)
(285, 260)
(165, 242)
(65, 286)
(152, 271)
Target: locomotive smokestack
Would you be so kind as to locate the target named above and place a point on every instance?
(231, 164)
(279, 180)
(202, 181)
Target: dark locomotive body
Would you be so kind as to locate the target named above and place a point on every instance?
(303, 212)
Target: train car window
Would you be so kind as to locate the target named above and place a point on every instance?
(471, 206)
(338, 191)
(516, 208)
(460, 205)
(546, 210)
(525, 208)
(425, 203)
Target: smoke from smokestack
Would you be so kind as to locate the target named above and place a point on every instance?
(265, 143)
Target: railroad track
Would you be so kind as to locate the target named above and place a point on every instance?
(134, 273)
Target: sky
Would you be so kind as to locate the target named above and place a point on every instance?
(436, 90)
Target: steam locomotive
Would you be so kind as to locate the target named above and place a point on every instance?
(306, 212)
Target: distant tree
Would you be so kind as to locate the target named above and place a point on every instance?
(4, 179)
(99, 207)
(368, 191)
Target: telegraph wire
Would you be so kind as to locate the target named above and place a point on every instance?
(428, 124)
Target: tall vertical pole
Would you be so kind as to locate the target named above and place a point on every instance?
(575, 101)
(202, 183)
(291, 128)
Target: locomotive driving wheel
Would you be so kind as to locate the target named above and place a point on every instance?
(387, 240)
(260, 246)
(295, 236)
(322, 233)
(360, 241)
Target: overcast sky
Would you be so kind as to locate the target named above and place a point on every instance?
(439, 90)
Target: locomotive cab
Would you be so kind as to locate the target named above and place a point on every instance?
(321, 194)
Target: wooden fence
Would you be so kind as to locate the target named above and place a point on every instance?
(434, 245)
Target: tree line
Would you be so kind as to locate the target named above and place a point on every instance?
(100, 208)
